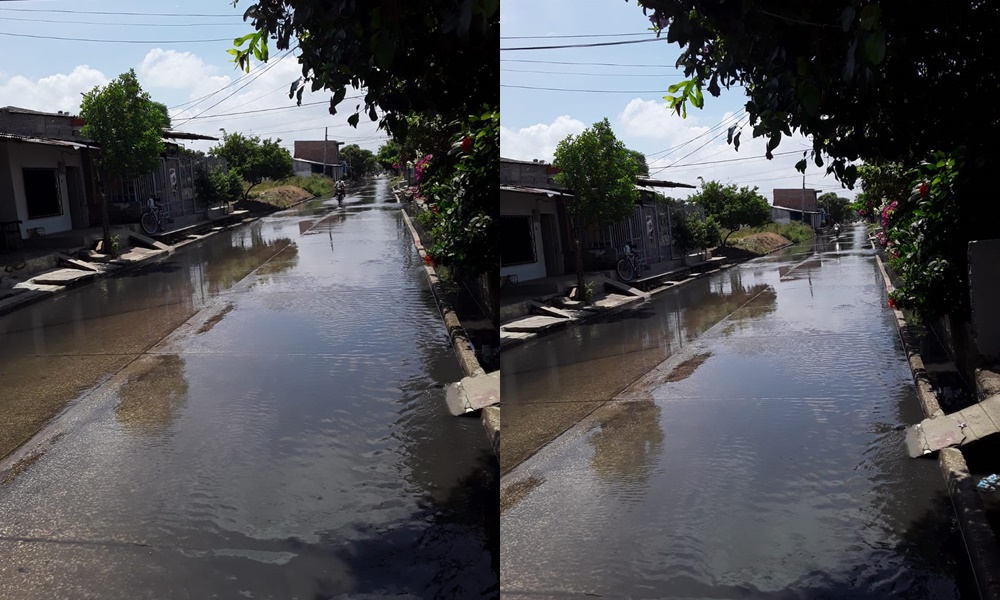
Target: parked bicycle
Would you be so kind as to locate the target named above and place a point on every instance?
(630, 265)
(154, 217)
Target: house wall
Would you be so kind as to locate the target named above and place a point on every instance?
(514, 203)
(8, 208)
(527, 174)
(310, 150)
(23, 156)
(780, 216)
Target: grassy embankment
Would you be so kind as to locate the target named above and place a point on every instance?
(761, 240)
(282, 194)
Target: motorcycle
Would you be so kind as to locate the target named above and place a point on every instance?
(836, 229)
(340, 196)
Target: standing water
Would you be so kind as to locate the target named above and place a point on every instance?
(762, 457)
(259, 415)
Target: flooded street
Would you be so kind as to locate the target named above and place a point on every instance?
(753, 447)
(258, 415)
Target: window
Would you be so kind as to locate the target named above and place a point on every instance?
(517, 240)
(41, 189)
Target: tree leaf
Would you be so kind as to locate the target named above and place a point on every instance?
(875, 47)
(869, 16)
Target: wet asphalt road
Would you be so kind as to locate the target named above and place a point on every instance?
(753, 448)
(258, 415)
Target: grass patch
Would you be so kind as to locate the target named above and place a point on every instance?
(793, 232)
(317, 185)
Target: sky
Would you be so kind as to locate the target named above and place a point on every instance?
(626, 83)
(178, 50)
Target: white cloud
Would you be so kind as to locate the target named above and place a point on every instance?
(651, 119)
(176, 70)
(52, 93)
(539, 140)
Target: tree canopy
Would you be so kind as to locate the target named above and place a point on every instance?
(360, 162)
(601, 173)
(254, 159)
(128, 126)
(433, 57)
(732, 208)
(870, 81)
(599, 169)
(838, 208)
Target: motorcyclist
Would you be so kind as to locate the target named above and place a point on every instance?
(340, 190)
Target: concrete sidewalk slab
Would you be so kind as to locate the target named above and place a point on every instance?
(533, 324)
(473, 393)
(63, 277)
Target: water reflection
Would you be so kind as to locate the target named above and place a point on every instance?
(153, 395)
(627, 446)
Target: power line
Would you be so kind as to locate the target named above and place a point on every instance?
(254, 78)
(119, 23)
(72, 39)
(594, 45)
(548, 89)
(581, 35)
(730, 120)
(130, 14)
(593, 64)
(576, 73)
(261, 110)
(730, 160)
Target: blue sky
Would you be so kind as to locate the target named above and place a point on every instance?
(180, 57)
(631, 97)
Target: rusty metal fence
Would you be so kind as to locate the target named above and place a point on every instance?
(648, 230)
(173, 183)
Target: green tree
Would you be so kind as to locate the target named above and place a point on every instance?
(862, 79)
(838, 208)
(599, 170)
(732, 208)
(388, 155)
(435, 57)
(360, 162)
(640, 161)
(253, 159)
(128, 126)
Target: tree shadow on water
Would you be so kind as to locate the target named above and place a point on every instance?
(445, 549)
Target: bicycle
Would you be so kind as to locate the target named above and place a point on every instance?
(630, 265)
(154, 216)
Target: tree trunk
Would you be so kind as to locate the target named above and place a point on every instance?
(579, 261)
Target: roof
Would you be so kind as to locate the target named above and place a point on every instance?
(534, 190)
(644, 183)
(28, 111)
(524, 162)
(319, 162)
(184, 135)
(796, 210)
(13, 137)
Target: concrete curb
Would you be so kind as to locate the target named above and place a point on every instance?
(925, 392)
(980, 542)
(459, 340)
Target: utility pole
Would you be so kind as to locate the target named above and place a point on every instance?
(326, 141)
(804, 198)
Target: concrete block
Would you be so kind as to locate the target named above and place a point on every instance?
(987, 383)
(62, 277)
(933, 434)
(473, 393)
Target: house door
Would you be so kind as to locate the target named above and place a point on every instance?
(550, 245)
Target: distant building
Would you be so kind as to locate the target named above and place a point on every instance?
(797, 204)
(309, 157)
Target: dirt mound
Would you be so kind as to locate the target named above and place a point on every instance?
(278, 197)
(761, 243)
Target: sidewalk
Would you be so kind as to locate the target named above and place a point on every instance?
(35, 274)
(528, 317)
(941, 393)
